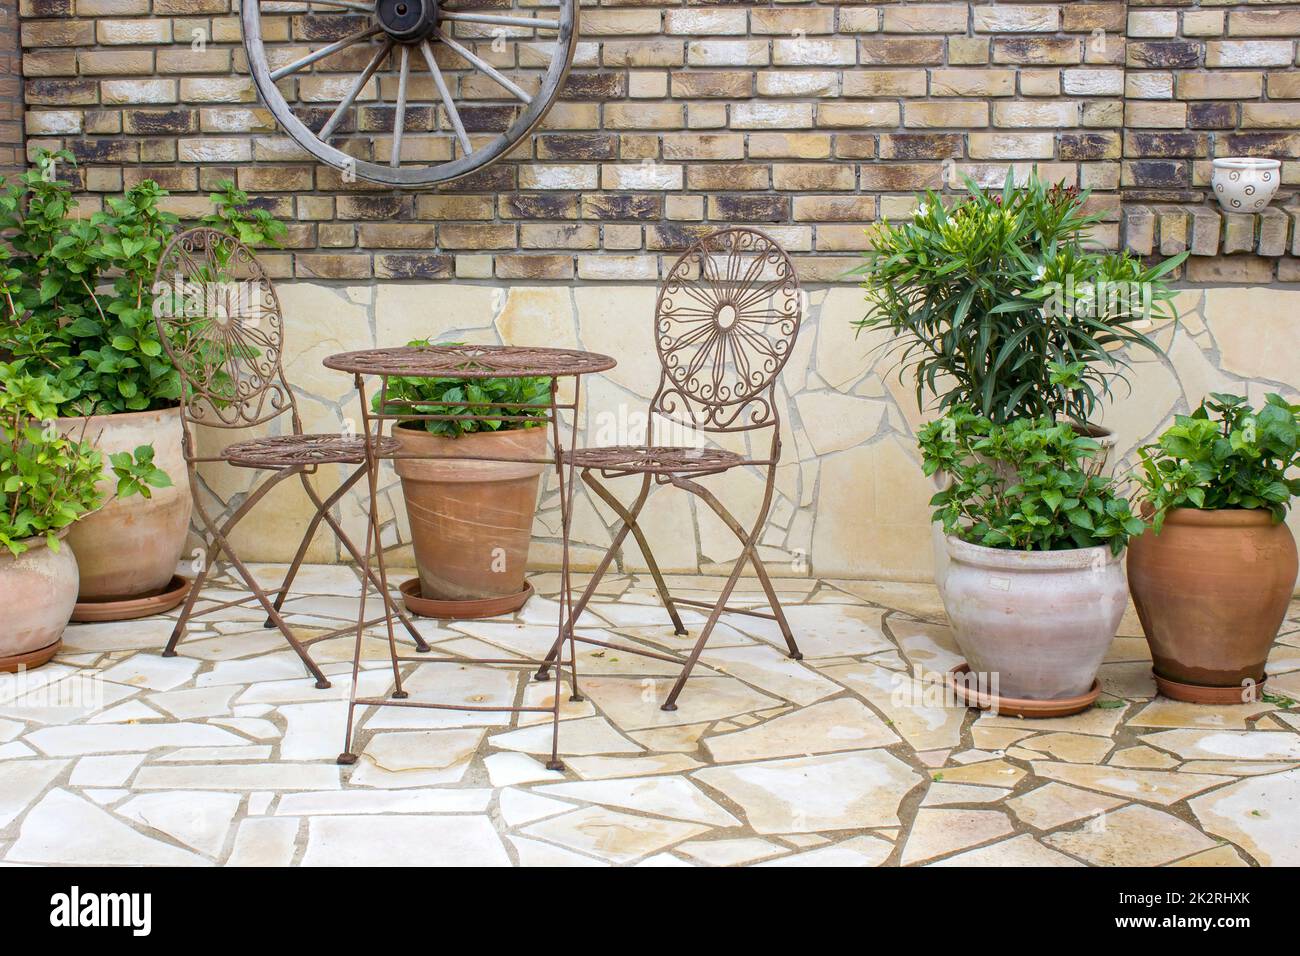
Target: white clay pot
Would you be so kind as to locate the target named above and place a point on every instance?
(1245, 184)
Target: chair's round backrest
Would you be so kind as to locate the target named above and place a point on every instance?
(725, 325)
(220, 321)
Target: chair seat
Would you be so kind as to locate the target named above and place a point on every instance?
(287, 451)
(639, 459)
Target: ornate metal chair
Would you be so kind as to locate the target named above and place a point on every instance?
(725, 323)
(220, 321)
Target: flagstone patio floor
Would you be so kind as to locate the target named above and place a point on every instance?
(226, 753)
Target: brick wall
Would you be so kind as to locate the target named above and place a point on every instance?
(809, 119)
(11, 91)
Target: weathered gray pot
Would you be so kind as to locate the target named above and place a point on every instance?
(38, 589)
(1041, 621)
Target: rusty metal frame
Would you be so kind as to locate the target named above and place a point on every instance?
(242, 389)
(691, 385)
(466, 362)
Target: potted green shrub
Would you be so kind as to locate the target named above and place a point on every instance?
(1213, 577)
(1036, 588)
(999, 303)
(47, 482)
(471, 520)
(79, 300)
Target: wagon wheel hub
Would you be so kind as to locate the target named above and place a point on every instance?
(407, 21)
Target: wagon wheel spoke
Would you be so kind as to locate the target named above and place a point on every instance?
(345, 4)
(399, 118)
(502, 20)
(357, 86)
(452, 113)
(323, 52)
(474, 60)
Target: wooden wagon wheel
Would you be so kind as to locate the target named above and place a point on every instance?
(438, 35)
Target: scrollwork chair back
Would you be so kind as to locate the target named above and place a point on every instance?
(220, 322)
(725, 324)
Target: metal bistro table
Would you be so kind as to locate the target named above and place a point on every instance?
(464, 361)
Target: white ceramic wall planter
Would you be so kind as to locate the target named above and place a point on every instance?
(1245, 184)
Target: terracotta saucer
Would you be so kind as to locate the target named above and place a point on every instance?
(87, 612)
(461, 610)
(31, 659)
(1199, 694)
(1021, 706)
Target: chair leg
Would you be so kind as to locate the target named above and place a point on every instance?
(739, 531)
(341, 536)
(543, 672)
(220, 540)
(747, 555)
(629, 517)
(188, 608)
(305, 543)
(671, 702)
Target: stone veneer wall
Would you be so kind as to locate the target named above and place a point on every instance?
(851, 500)
(808, 119)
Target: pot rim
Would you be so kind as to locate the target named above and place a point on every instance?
(409, 426)
(119, 416)
(38, 541)
(1246, 162)
(1222, 517)
(1069, 559)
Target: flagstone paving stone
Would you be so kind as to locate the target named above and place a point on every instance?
(1152, 786)
(940, 832)
(1019, 851)
(1259, 814)
(1131, 836)
(226, 753)
(844, 791)
(1055, 804)
(612, 835)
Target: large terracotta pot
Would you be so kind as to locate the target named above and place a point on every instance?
(471, 521)
(129, 548)
(1211, 590)
(1041, 621)
(38, 589)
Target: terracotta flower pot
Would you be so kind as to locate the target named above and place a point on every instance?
(471, 521)
(38, 589)
(1211, 590)
(1041, 621)
(129, 548)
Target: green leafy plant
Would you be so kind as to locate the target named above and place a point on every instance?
(47, 479)
(997, 303)
(78, 291)
(528, 400)
(1023, 485)
(1224, 455)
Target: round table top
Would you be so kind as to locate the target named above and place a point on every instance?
(470, 361)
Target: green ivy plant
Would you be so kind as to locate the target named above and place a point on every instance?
(449, 396)
(997, 302)
(47, 479)
(1225, 454)
(78, 291)
(1023, 485)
